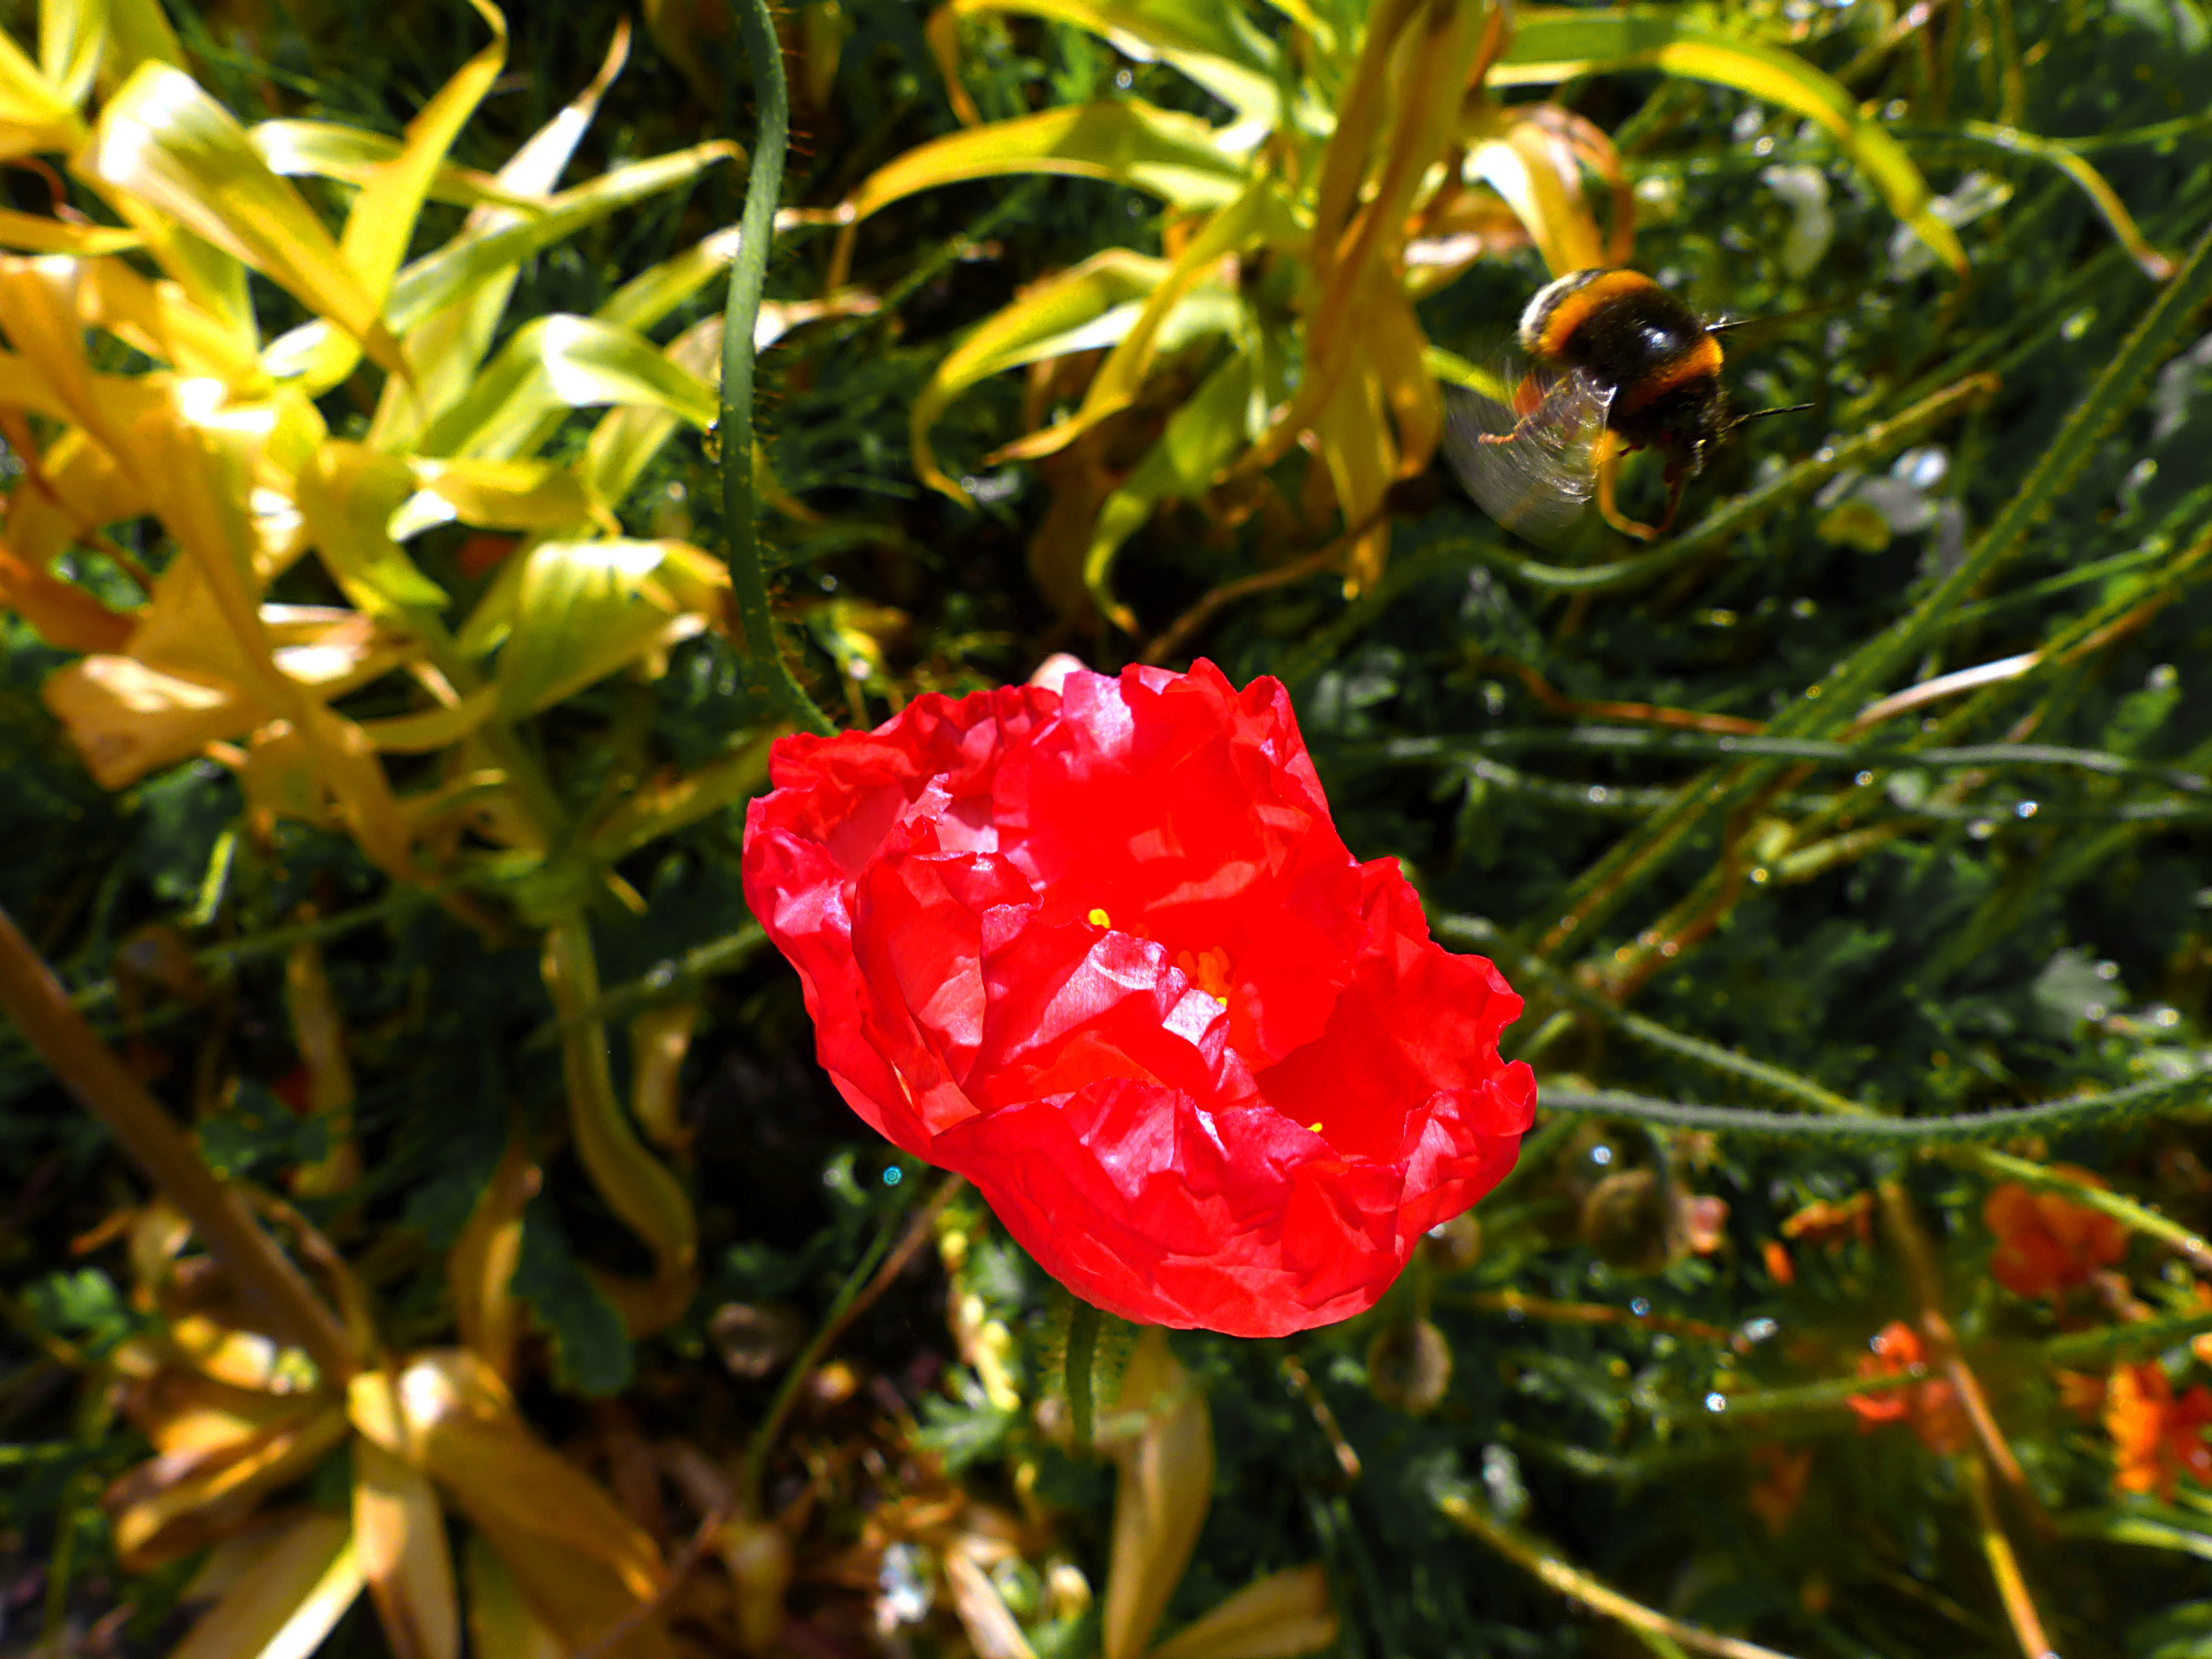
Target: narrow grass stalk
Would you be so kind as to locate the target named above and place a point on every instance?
(881, 1263)
(34, 999)
(1571, 1581)
(2004, 1564)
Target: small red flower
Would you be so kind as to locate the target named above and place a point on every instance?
(1100, 950)
(2156, 1437)
(1782, 1475)
(2047, 1244)
(1932, 1407)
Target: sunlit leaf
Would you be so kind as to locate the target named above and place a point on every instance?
(626, 440)
(1164, 153)
(163, 139)
(35, 114)
(1537, 177)
(982, 1611)
(325, 149)
(463, 265)
(127, 719)
(564, 362)
(449, 1414)
(138, 33)
(448, 340)
(400, 1543)
(480, 1268)
(383, 217)
(1161, 1497)
(1551, 45)
(1036, 324)
(64, 614)
(160, 320)
(1259, 213)
(164, 1509)
(347, 493)
(295, 1593)
(1277, 1616)
(500, 495)
(1216, 45)
(584, 609)
(72, 39)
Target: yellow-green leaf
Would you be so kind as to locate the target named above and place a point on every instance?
(295, 1593)
(384, 215)
(1260, 212)
(1200, 438)
(1277, 1616)
(1162, 152)
(162, 138)
(72, 39)
(34, 115)
(1112, 283)
(584, 609)
(1215, 44)
(499, 495)
(138, 33)
(1553, 43)
(347, 493)
(627, 438)
(34, 233)
(327, 149)
(447, 344)
(399, 1540)
(564, 362)
(459, 268)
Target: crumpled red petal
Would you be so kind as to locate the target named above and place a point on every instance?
(1102, 951)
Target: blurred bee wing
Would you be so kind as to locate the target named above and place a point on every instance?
(1533, 472)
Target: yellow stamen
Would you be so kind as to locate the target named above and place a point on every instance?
(1314, 1128)
(1100, 919)
(1208, 971)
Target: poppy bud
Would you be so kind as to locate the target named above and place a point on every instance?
(1455, 1245)
(752, 1341)
(1409, 1366)
(1626, 1222)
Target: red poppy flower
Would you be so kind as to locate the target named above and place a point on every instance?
(2047, 1244)
(1100, 950)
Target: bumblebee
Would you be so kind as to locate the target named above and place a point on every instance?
(1615, 363)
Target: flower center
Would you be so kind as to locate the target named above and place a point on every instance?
(1208, 971)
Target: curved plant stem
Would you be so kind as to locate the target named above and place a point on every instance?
(748, 271)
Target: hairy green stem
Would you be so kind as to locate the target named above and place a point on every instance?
(1082, 1350)
(2054, 1117)
(748, 272)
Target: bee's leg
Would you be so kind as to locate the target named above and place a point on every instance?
(1520, 431)
(1608, 468)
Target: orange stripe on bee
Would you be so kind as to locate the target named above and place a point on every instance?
(1700, 362)
(1573, 307)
